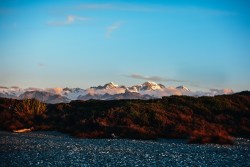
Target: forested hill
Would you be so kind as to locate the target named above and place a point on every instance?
(169, 117)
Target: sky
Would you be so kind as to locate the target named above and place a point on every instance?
(202, 44)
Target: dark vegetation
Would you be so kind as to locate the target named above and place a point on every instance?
(201, 120)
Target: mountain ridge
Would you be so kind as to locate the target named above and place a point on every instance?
(109, 91)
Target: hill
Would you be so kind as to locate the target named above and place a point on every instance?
(199, 119)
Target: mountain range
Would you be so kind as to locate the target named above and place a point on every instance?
(109, 91)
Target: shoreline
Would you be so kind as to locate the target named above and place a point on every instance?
(196, 140)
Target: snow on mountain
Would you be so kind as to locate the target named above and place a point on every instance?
(73, 93)
(43, 96)
(109, 91)
(183, 88)
(146, 86)
(109, 88)
(151, 86)
(89, 96)
(109, 85)
(11, 92)
(70, 93)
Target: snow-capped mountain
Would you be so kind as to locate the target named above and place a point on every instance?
(73, 93)
(106, 96)
(183, 88)
(146, 86)
(109, 91)
(10, 92)
(109, 85)
(46, 97)
(109, 88)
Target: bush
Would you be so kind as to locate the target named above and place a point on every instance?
(201, 137)
(30, 107)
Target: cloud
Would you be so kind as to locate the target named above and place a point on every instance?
(153, 78)
(221, 91)
(70, 19)
(174, 91)
(110, 29)
(55, 90)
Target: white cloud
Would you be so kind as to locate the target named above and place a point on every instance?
(70, 19)
(55, 90)
(110, 29)
(220, 91)
(163, 92)
(173, 91)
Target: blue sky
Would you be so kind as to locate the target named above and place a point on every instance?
(202, 44)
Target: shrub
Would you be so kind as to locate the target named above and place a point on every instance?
(30, 107)
(201, 137)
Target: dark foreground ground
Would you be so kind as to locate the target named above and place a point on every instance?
(57, 149)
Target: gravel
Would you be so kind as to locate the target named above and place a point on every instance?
(57, 149)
